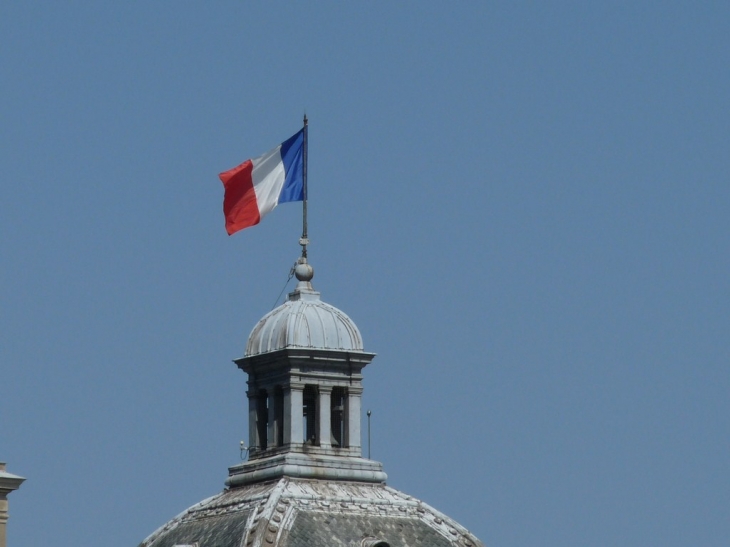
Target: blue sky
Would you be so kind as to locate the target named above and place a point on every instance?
(523, 206)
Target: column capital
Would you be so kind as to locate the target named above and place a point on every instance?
(8, 481)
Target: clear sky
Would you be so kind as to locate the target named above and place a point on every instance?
(525, 207)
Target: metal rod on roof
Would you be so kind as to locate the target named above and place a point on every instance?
(369, 413)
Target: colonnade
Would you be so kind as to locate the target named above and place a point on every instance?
(326, 416)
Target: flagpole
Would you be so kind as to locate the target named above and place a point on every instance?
(304, 239)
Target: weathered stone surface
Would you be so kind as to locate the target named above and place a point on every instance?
(310, 513)
(347, 530)
(215, 531)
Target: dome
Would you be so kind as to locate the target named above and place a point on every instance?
(304, 481)
(304, 321)
(311, 513)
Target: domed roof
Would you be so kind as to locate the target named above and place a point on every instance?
(302, 490)
(304, 321)
(312, 513)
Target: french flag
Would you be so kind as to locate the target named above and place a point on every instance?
(258, 185)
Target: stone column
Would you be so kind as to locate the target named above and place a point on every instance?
(324, 407)
(3, 518)
(8, 483)
(253, 431)
(272, 419)
(293, 410)
(354, 396)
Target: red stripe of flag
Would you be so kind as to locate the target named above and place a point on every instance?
(239, 203)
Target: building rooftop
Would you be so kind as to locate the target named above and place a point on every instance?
(305, 483)
(311, 513)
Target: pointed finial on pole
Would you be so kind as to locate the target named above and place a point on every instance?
(304, 240)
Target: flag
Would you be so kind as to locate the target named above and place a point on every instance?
(258, 185)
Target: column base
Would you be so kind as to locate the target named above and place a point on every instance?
(308, 466)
